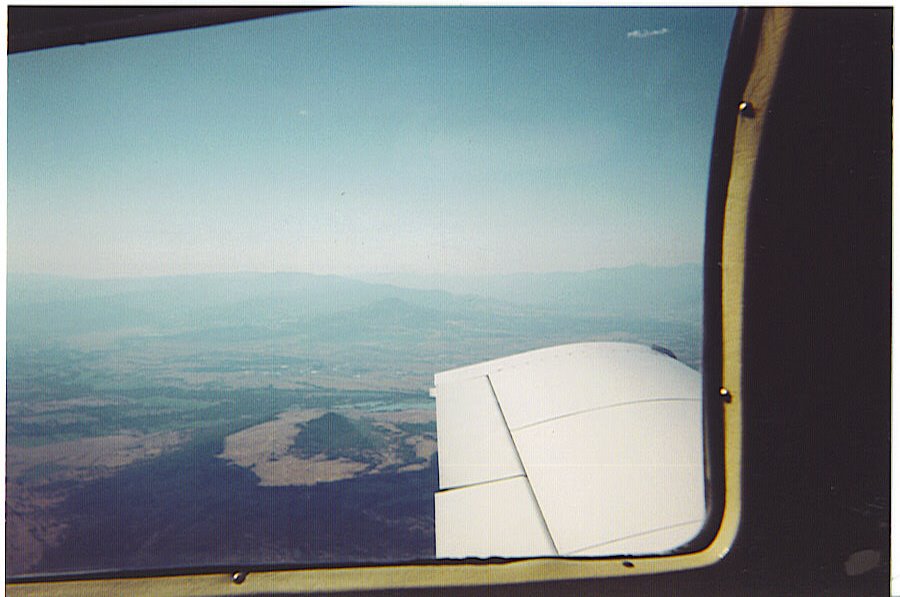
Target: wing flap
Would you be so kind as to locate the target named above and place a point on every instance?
(490, 519)
(600, 445)
(474, 444)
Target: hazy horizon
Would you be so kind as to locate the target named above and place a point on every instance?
(364, 276)
(366, 141)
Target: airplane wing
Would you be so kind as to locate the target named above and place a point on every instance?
(584, 449)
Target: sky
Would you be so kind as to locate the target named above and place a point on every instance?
(369, 140)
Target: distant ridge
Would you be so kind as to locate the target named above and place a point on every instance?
(637, 290)
(59, 306)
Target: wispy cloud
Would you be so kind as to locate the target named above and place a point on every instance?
(644, 33)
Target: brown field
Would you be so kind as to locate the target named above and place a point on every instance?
(87, 458)
(31, 528)
(265, 448)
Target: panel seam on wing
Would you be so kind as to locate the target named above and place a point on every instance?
(480, 483)
(590, 410)
(634, 536)
(522, 465)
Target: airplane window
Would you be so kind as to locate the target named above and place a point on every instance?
(239, 255)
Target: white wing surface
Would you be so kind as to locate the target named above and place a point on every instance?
(582, 450)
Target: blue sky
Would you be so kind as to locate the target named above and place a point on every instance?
(366, 140)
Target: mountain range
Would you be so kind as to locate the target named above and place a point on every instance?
(42, 306)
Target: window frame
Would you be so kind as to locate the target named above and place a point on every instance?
(758, 40)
